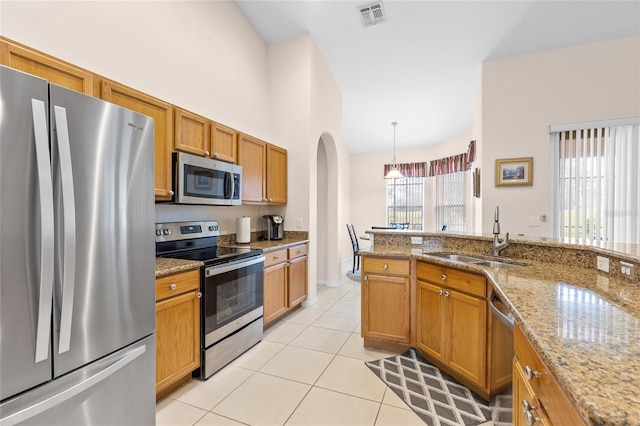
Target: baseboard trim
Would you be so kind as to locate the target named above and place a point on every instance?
(307, 303)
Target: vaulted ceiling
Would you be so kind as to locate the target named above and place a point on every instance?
(422, 66)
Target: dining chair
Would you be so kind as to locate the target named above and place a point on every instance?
(355, 246)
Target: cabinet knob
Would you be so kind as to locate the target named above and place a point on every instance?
(444, 277)
(446, 294)
(173, 287)
(440, 292)
(385, 266)
(264, 199)
(215, 155)
(269, 199)
(206, 153)
(529, 373)
(171, 193)
(276, 257)
(199, 295)
(299, 252)
(366, 278)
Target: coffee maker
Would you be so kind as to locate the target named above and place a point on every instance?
(274, 227)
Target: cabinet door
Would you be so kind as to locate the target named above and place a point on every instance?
(54, 70)
(276, 175)
(224, 143)
(192, 133)
(162, 114)
(385, 308)
(275, 292)
(177, 338)
(430, 319)
(252, 156)
(297, 281)
(524, 396)
(466, 319)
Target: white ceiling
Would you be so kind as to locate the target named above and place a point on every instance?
(422, 66)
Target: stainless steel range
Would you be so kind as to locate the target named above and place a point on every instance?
(231, 286)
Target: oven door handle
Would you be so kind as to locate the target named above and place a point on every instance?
(231, 266)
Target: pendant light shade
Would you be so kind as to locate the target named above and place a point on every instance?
(394, 173)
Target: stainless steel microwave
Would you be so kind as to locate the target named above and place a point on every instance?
(199, 180)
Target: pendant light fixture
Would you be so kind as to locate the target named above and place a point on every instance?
(394, 173)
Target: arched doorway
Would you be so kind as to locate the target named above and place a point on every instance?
(327, 212)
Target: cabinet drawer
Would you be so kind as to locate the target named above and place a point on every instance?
(275, 257)
(298, 251)
(528, 358)
(386, 266)
(172, 285)
(453, 278)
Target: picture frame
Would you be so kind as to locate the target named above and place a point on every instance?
(514, 171)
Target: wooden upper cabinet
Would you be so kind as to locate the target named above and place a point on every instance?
(224, 143)
(162, 114)
(252, 156)
(276, 175)
(41, 65)
(192, 133)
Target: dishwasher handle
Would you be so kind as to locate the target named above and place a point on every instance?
(506, 318)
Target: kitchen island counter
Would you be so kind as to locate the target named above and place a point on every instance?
(585, 325)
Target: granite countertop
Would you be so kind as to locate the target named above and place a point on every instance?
(583, 323)
(173, 266)
(268, 246)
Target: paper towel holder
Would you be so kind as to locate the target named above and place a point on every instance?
(243, 230)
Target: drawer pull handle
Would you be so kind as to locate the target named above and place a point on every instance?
(529, 373)
(531, 418)
(298, 252)
(173, 287)
(276, 257)
(526, 406)
(444, 277)
(385, 266)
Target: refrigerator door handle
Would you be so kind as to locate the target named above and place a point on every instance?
(45, 188)
(69, 227)
(74, 390)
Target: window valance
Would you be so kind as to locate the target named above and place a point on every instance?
(409, 169)
(455, 163)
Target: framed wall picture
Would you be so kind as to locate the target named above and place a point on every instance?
(514, 171)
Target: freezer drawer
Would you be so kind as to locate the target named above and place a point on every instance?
(116, 390)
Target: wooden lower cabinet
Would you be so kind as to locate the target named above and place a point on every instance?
(455, 331)
(452, 328)
(537, 396)
(177, 330)
(386, 304)
(285, 281)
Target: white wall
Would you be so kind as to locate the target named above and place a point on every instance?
(523, 95)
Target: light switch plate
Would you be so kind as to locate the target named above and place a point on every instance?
(602, 263)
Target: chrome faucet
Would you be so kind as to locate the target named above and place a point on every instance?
(497, 245)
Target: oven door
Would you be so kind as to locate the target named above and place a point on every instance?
(232, 297)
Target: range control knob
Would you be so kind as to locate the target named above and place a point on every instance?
(166, 232)
(213, 228)
(158, 232)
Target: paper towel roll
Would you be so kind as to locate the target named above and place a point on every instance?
(243, 229)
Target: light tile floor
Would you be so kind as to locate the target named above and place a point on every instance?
(308, 370)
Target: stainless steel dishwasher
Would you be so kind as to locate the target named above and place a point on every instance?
(501, 340)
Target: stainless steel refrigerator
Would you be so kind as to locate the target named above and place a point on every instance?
(77, 258)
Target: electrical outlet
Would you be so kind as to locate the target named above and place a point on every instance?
(628, 270)
(602, 263)
(416, 240)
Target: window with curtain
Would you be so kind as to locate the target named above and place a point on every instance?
(405, 203)
(597, 196)
(450, 202)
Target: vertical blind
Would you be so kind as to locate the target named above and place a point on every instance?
(450, 202)
(597, 191)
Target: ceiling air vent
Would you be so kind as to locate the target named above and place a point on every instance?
(372, 14)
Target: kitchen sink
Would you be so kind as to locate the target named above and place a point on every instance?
(474, 260)
(456, 257)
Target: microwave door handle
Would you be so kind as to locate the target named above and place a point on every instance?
(228, 185)
(69, 227)
(45, 188)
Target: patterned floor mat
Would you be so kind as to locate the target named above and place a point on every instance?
(435, 396)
